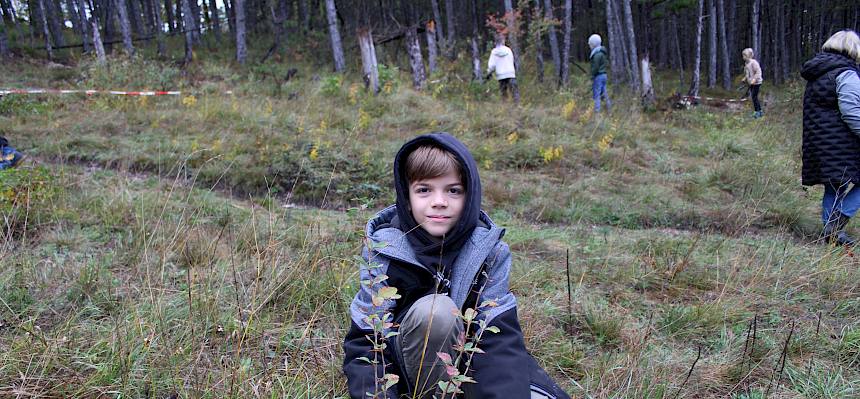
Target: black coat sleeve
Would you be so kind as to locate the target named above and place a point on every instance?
(360, 375)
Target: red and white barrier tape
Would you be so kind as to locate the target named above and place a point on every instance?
(91, 92)
(715, 99)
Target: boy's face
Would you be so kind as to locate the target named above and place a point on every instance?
(437, 203)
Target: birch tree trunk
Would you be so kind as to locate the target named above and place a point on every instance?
(697, 60)
(477, 74)
(45, 30)
(158, 28)
(416, 61)
(712, 43)
(553, 39)
(97, 37)
(241, 46)
(538, 42)
(368, 60)
(633, 54)
(565, 47)
(724, 46)
(125, 26)
(648, 98)
(215, 20)
(450, 42)
(756, 31)
(187, 16)
(334, 36)
(430, 32)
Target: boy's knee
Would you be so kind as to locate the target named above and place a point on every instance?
(435, 312)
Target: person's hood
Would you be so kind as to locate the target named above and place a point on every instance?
(502, 51)
(825, 62)
(595, 50)
(423, 243)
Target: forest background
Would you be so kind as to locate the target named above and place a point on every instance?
(202, 244)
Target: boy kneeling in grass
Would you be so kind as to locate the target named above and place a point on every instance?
(444, 256)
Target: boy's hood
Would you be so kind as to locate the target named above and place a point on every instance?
(423, 242)
(595, 50)
(501, 51)
(825, 62)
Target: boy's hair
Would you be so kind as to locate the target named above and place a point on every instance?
(747, 53)
(428, 161)
(846, 42)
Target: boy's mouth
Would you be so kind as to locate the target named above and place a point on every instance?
(438, 218)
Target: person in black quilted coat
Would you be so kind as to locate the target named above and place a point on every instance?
(831, 131)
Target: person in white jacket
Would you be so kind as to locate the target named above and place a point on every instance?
(502, 63)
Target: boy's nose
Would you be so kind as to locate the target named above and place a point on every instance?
(440, 200)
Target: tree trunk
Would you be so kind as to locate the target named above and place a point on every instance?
(732, 34)
(55, 16)
(278, 15)
(241, 46)
(511, 22)
(450, 42)
(697, 60)
(553, 39)
(45, 30)
(188, 23)
(633, 54)
(712, 43)
(134, 18)
(125, 26)
(231, 17)
(216, 21)
(368, 60)
(84, 26)
(4, 40)
(617, 55)
(334, 36)
(677, 47)
(725, 68)
(437, 18)
(416, 61)
(171, 18)
(565, 47)
(97, 37)
(538, 42)
(648, 98)
(430, 32)
(304, 15)
(8, 12)
(477, 74)
(158, 28)
(73, 16)
(756, 31)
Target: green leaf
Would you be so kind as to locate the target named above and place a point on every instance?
(388, 293)
(493, 329)
(470, 314)
(390, 380)
(365, 359)
(391, 334)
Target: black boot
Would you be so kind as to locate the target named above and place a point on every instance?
(834, 229)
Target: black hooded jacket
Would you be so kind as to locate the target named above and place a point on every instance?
(831, 152)
(506, 370)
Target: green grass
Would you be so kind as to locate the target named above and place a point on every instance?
(203, 245)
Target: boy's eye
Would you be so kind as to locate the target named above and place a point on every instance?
(456, 190)
(422, 190)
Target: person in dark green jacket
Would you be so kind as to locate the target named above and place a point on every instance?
(599, 62)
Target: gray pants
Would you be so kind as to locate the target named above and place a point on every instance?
(431, 325)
